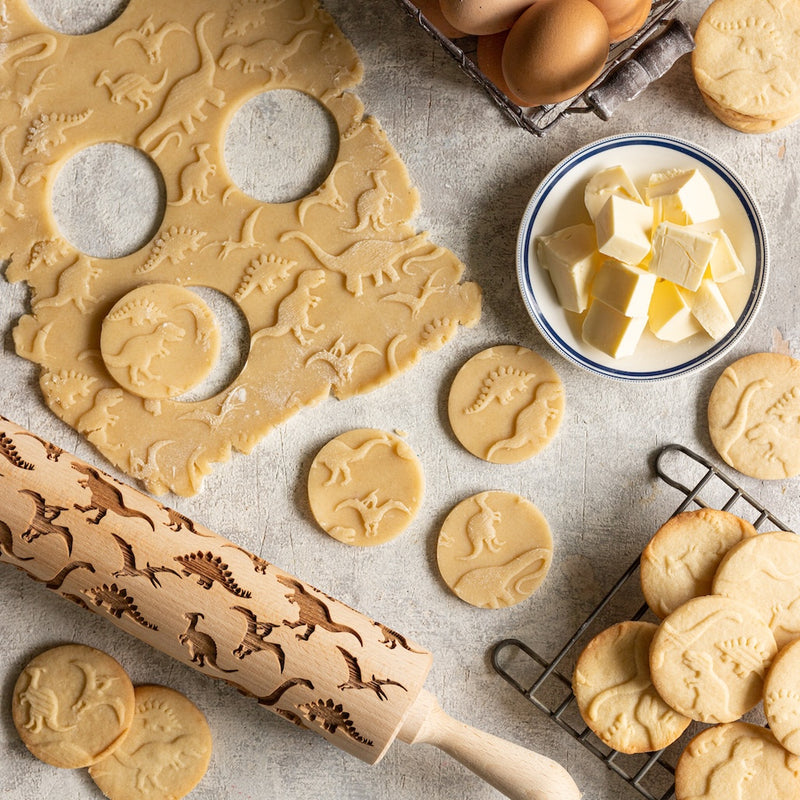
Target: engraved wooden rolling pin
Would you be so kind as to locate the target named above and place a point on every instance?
(212, 605)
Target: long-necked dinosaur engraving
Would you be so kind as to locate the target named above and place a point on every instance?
(7, 544)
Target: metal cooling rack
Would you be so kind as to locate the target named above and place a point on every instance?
(652, 774)
(630, 67)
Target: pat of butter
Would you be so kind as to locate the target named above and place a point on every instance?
(626, 288)
(724, 263)
(711, 310)
(681, 196)
(613, 333)
(681, 254)
(670, 316)
(570, 255)
(623, 227)
(613, 180)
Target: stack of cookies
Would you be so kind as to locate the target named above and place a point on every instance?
(728, 639)
(746, 63)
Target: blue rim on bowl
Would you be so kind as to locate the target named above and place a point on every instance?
(666, 360)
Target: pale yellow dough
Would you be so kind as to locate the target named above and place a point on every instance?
(365, 487)
(494, 549)
(615, 695)
(339, 290)
(72, 705)
(506, 404)
(165, 754)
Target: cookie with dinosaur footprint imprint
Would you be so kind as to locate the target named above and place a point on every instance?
(365, 486)
(165, 754)
(615, 695)
(72, 705)
(505, 404)
(494, 549)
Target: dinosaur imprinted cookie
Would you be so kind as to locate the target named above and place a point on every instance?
(72, 705)
(365, 486)
(709, 657)
(737, 760)
(680, 560)
(165, 754)
(615, 695)
(764, 572)
(754, 415)
(782, 697)
(505, 404)
(494, 549)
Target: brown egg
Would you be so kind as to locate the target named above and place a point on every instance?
(489, 55)
(624, 17)
(482, 16)
(555, 50)
(432, 11)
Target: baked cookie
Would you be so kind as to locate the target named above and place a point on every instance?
(365, 486)
(764, 572)
(754, 415)
(166, 753)
(738, 760)
(745, 63)
(782, 697)
(505, 404)
(494, 549)
(72, 705)
(680, 560)
(615, 695)
(709, 657)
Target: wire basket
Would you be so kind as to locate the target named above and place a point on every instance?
(547, 683)
(631, 66)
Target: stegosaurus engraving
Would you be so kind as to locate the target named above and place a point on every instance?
(331, 717)
(66, 386)
(9, 451)
(49, 130)
(210, 569)
(264, 273)
(173, 245)
(500, 384)
(118, 603)
(138, 312)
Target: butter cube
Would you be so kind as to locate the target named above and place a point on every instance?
(613, 333)
(724, 263)
(626, 288)
(623, 228)
(681, 254)
(711, 310)
(670, 315)
(570, 255)
(681, 196)
(613, 180)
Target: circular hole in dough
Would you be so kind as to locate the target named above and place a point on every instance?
(494, 549)
(108, 200)
(67, 16)
(281, 145)
(365, 486)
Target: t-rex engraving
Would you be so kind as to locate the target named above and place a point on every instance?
(488, 587)
(130, 570)
(98, 420)
(139, 352)
(105, 497)
(202, 648)
(313, 613)
(356, 681)
(729, 777)
(43, 522)
(706, 686)
(210, 569)
(74, 286)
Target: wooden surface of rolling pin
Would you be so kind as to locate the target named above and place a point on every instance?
(209, 603)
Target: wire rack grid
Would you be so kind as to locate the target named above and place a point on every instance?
(546, 683)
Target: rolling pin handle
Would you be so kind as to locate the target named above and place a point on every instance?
(516, 772)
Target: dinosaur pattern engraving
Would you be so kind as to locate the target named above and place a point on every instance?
(209, 570)
(118, 603)
(105, 497)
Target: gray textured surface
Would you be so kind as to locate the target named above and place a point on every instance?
(475, 172)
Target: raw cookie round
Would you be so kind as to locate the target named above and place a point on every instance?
(764, 572)
(615, 695)
(494, 549)
(505, 404)
(166, 753)
(753, 413)
(72, 705)
(680, 560)
(709, 657)
(744, 58)
(159, 340)
(738, 760)
(365, 486)
(782, 697)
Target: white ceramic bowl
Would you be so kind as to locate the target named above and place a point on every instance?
(558, 202)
